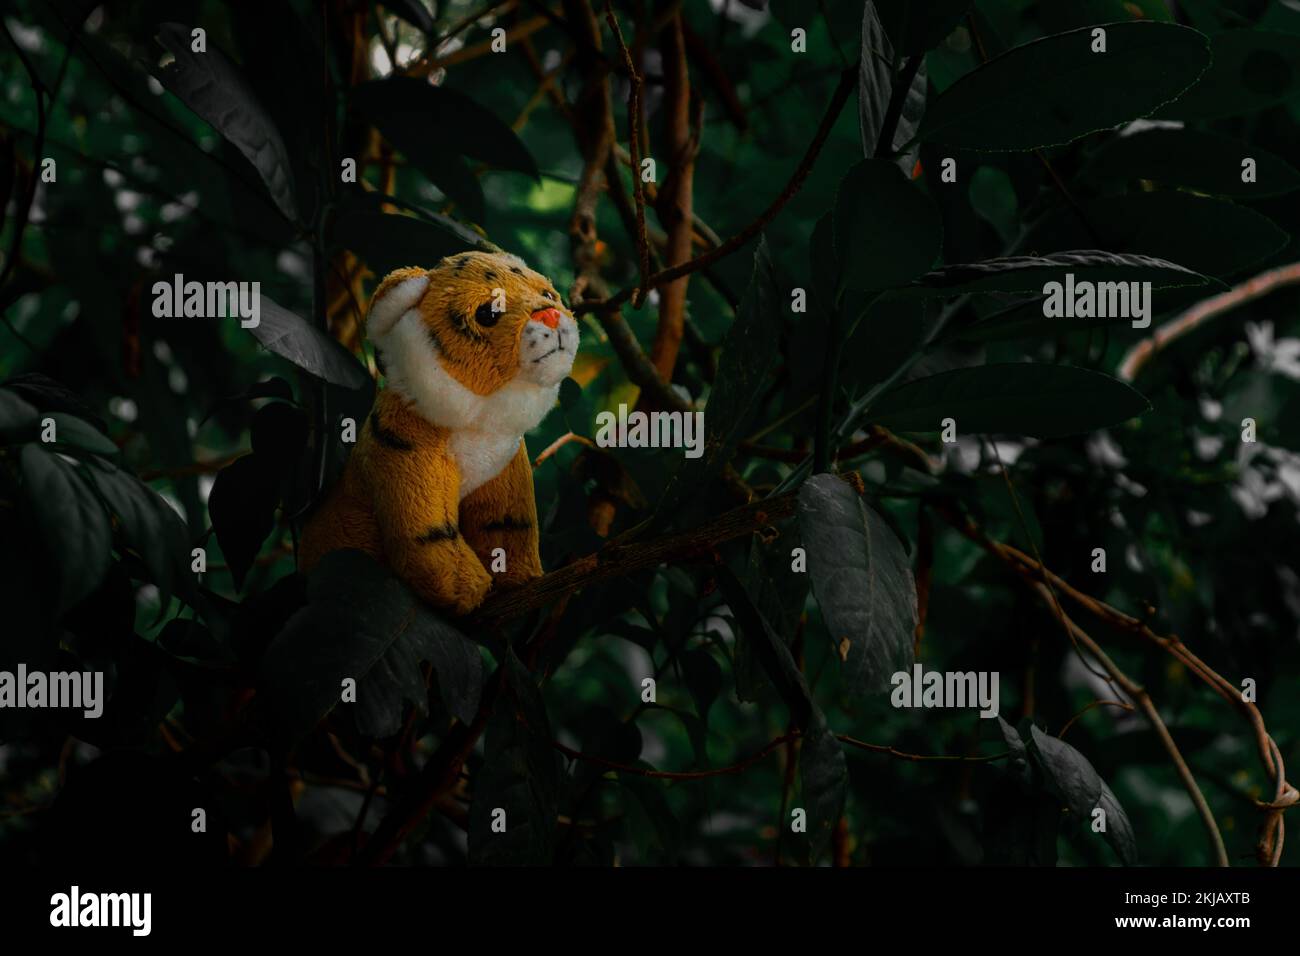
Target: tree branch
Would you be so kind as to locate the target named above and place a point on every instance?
(619, 559)
(848, 78)
(634, 146)
(1272, 833)
(437, 776)
(1148, 708)
(675, 199)
(1202, 312)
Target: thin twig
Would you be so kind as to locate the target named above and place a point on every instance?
(634, 147)
(23, 208)
(1032, 570)
(742, 765)
(559, 443)
(1122, 705)
(1047, 581)
(428, 61)
(1148, 708)
(1200, 313)
(848, 79)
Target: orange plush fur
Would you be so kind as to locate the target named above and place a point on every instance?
(473, 351)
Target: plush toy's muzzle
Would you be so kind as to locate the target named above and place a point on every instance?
(547, 347)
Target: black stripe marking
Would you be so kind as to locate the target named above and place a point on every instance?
(442, 532)
(516, 270)
(489, 275)
(460, 322)
(509, 523)
(386, 438)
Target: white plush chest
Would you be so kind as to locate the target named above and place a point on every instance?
(481, 456)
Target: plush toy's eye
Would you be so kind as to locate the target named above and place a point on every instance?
(485, 316)
(547, 293)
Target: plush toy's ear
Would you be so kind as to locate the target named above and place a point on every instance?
(399, 292)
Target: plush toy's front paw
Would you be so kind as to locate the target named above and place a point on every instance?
(472, 587)
(458, 589)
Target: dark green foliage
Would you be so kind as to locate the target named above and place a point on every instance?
(1057, 89)
(732, 701)
(862, 580)
(1027, 399)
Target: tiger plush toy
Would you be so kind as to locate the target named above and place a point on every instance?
(439, 486)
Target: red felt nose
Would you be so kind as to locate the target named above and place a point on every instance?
(548, 317)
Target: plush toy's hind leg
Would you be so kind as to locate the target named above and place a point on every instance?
(499, 520)
(342, 521)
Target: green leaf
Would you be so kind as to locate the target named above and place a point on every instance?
(1055, 90)
(703, 679)
(822, 263)
(1210, 236)
(48, 395)
(16, 416)
(749, 352)
(293, 337)
(1019, 758)
(1032, 273)
(75, 531)
(1207, 162)
(876, 81)
(185, 637)
(1026, 320)
(1045, 401)
(520, 776)
(457, 667)
(875, 78)
(1252, 70)
(574, 407)
(779, 597)
(825, 780)
(370, 200)
(149, 526)
(74, 432)
(413, 12)
(242, 507)
(434, 125)
(887, 232)
(915, 26)
(213, 87)
(1071, 777)
(360, 622)
(885, 336)
(862, 579)
(388, 241)
(278, 435)
(570, 393)
(650, 798)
